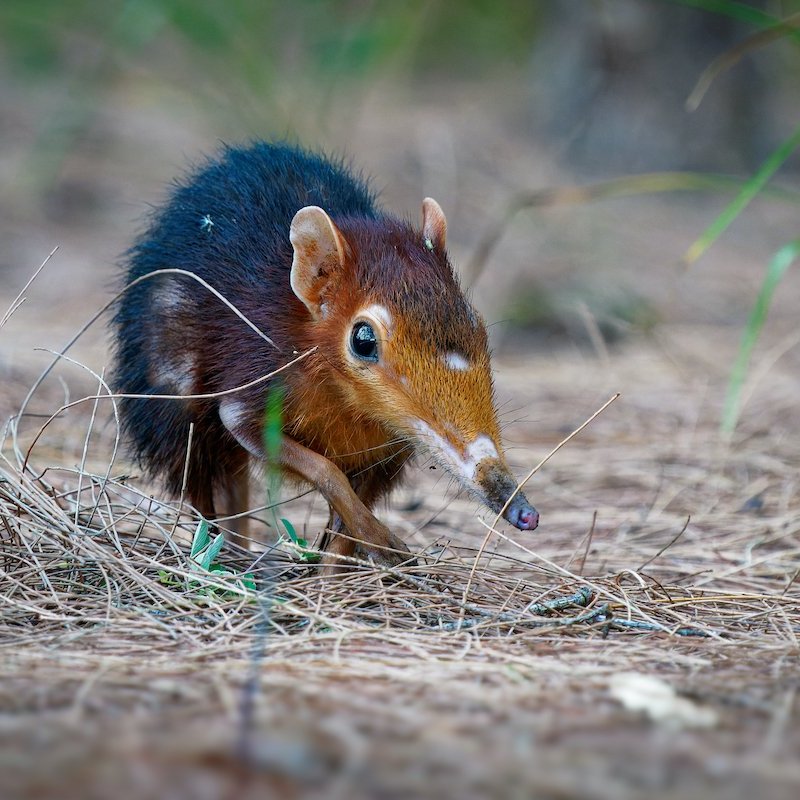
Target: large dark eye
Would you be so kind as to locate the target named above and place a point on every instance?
(363, 341)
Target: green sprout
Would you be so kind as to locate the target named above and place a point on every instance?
(307, 555)
(203, 562)
(273, 432)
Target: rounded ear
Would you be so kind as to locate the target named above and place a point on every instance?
(320, 251)
(434, 224)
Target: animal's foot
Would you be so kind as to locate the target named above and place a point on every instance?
(391, 552)
(383, 548)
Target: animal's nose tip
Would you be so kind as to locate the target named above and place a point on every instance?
(528, 519)
(522, 515)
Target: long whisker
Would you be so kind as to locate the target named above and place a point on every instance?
(389, 443)
(409, 448)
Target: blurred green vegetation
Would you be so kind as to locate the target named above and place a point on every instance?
(752, 13)
(254, 39)
(263, 66)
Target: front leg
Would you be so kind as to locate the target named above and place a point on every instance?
(364, 529)
(317, 470)
(370, 484)
(339, 544)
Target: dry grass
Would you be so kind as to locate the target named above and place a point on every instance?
(476, 672)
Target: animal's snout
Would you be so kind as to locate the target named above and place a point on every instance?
(521, 514)
(498, 485)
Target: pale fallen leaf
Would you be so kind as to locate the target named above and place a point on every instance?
(657, 699)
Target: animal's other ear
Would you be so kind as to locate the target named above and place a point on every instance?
(319, 256)
(434, 224)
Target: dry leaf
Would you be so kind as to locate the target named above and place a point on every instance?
(655, 697)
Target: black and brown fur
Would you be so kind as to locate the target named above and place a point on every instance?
(349, 426)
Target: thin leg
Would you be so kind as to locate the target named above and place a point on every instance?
(236, 500)
(203, 501)
(369, 485)
(332, 483)
(374, 536)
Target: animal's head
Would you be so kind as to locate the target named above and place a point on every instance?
(405, 346)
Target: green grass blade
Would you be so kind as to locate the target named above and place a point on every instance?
(273, 431)
(290, 530)
(210, 556)
(780, 262)
(740, 202)
(273, 434)
(738, 11)
(273, 422)
(200, 538)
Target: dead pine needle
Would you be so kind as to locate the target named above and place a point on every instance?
(667, 545)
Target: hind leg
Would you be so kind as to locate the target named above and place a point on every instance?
(235, 501)
(217, 478)
(202, 498)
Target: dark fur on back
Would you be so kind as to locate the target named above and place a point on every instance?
(229, 224)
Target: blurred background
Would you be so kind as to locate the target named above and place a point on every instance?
(474, 102)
